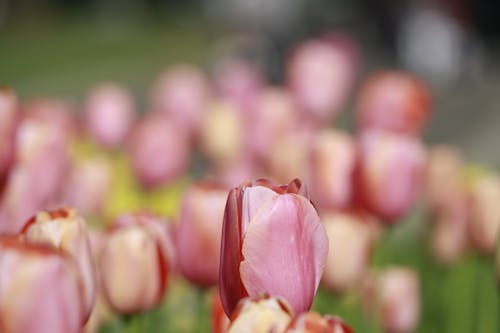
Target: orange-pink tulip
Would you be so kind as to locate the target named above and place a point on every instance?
(313, 322)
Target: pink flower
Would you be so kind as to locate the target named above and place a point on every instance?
(389, 173)
(40, 289)
(394, 101)
(272, 242)
(8, 123)
(109, 113)
(198, 235)
(312, 322)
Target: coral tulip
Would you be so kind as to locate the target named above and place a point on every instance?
(312, 322)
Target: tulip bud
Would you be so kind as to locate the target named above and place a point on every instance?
(109, 113)
(220, 321)
(389, 173)
(136, 248)
(261, 315)
(199, 233)
(181, 92)
(8, 122)
(159, 151)
(40, 289)
(65, 230)
(272, 242)
(393, 101)
(351, 239)
(312, 322)
(222, 134)
(393, 297)
(320, 76)
(332, 163)
(54, 111)
(485, 211)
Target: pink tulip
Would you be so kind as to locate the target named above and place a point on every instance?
(332, 163)
(40, 289)
(320, 75)
(159, 151)
(312, 322)
(8, 122)
(181, 92)
(272, 242)
(55, 111)
(261, 314)
(389, 173)
(64, 229)
(109, 113)
(199, 233)
(393, 296)
(138, 248)
(484, 225)
(394, 101)
(351, 238)
(231, 175)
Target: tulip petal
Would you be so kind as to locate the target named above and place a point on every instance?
(254, 199)
(285, 249)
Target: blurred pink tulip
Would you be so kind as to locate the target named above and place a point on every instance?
(394, 101)
(109, 113)
(262, 314)
(64, 229)
(244, 168)
(8, 123)
(220, 321)
(159, 151)
(351, 237)
(137, 247)
(331, 168)
(313, 322)
(393, 297)
(198, 235)
(484, 226)
(181, 92)
(88, 185)
(272, 242)
(389, 173)
(40, 289)
(320, 75)
(58, 112)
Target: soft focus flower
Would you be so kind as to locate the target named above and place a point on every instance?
(394, 101)
(220, 321)
(313, 322)
(181, 92)
(198, 234)
(222, 134)
(393, 297)
(485, 211)
(135, 263)
(88, 185)
(320, 75)
(109, 113)
(40, 289)
(55, 111)
(159, 151)
(262, 314)
(389, 173)
(351, 237)
(331, 168)
(8, 122)
(272, 242)
(65, 230)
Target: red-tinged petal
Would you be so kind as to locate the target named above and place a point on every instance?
(255, 199)
(284, 250)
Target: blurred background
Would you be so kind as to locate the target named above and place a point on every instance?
(62, 47)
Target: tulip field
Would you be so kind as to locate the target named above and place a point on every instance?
(191, 194)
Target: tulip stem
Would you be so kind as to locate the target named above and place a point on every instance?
(200, 304)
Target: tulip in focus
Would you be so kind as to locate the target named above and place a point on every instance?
(332, 163)
(272, 242)
(40, 290)
(65, 230)
(393, 101)
(135, 263)
(8, 122)
(393, 297)
(351, 238)
(313, 322)
(389, 173)
(263, 314)
(485, 211)
(159, 151)
(109, 113)
(198, 234)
